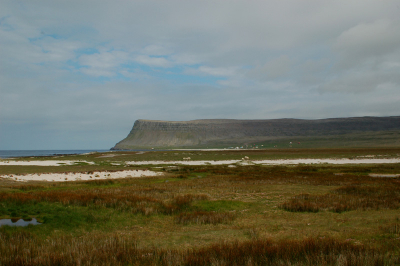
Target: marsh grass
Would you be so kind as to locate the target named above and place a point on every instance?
(375, 195)
(146, 201)
(208, 215)
(23, 248)
(204, 217)
(392, 228)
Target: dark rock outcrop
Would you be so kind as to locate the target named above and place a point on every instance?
(199, 133)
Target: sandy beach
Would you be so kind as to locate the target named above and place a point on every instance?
(74, 176)
(222, 162)
(327, 161)
(270, 162)
(218, 162)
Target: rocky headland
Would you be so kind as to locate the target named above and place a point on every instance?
(147, 134)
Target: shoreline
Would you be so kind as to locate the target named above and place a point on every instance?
(110, 174)
(212, 162)
(41, 163)
(270, 162)
(25, 154)
(82, 176)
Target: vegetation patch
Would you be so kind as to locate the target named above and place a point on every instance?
(374, 196)
(119, 250)
(203, 217)
(220, 205)
(211, 215)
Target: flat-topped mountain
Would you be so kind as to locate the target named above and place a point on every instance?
(147, 134)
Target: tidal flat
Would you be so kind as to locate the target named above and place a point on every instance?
(241, 213)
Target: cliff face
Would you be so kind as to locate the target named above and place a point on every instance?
(168, 134)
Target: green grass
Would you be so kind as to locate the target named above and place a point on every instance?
(208, 215)
(221, 205)
(56, 216)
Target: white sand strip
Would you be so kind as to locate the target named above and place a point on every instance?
(270, 162)
(211, 149)
(220, 162)
(183, 162)
(41, 163)
(71, 176)
(328, 161)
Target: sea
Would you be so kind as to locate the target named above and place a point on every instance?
(31, 153)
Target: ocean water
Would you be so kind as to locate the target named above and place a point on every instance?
(30, 153)
(18, 222)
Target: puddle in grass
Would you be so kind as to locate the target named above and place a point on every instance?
(18, 222)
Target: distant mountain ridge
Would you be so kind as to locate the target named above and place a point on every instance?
(147, 134)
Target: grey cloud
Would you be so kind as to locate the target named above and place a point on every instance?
(57, 50)
(360, 82)
(314, 66)
(273, 69)
(213, 71)
(156, 50)
(368, 40)
(313, 71)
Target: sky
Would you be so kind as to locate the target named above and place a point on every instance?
(77, 74)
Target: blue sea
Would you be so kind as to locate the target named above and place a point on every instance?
(30, 153)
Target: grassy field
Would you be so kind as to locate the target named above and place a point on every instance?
(207, 215)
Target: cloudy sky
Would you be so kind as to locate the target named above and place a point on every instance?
(77, 74)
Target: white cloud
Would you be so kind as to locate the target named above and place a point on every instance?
(153, 61)
(105, 63)
(218, 71)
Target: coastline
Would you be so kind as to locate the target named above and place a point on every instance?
(76, 176)
(8, 154)
(93, 175)
(270, 162)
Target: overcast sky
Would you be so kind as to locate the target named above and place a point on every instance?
(77, 74)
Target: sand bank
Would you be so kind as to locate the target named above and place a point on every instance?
(183, 162)
(225, 149)
(328, 161)
(219, 162)
(73, 176)
(270, 162)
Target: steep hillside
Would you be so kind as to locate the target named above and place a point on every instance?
(216, 132)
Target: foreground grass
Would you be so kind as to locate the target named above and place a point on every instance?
(120, 250)
(209, 215)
